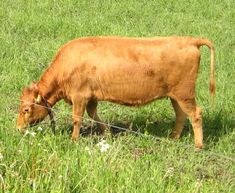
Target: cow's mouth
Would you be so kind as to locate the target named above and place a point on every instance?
(21, 128)
(34, 123)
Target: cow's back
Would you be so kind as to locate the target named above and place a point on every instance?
(129, 70)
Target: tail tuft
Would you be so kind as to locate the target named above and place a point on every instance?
(212, 87)
(200, 42)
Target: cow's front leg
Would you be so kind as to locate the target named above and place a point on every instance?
(92, 113)
(78, 111)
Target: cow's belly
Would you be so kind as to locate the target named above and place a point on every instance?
(134, 89)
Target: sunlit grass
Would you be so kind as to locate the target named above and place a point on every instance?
(31, 33)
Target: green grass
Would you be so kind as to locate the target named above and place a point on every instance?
(31, 33)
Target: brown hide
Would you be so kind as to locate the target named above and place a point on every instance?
(130, 71)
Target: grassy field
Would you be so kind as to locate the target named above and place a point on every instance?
(31, 33)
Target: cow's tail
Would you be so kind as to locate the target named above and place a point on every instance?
(201, 42)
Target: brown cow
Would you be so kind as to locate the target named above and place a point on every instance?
(129, 71)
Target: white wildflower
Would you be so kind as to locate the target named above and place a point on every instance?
(39, 129)
(33, 134)
(60, 176)
(102, 142)
(104, 146)
(169, 173)
(30, 133)
(27, 132)
(88, 150)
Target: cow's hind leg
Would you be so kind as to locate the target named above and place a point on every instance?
(194, 113)
(180, 119)
(91, 109)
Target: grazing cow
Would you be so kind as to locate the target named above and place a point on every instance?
(128, 71)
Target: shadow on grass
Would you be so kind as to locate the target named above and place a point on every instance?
(217, 125)
(159, 128)
(214, 127)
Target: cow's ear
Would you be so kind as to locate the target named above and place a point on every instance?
(33, 86)
(38, 99)
(37, 96)
(35, 89)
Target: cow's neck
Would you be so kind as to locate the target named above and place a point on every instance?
(48, 86)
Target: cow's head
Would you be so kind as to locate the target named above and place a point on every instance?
(33, 108)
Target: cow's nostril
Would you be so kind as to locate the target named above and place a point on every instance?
(26, 110)
(21, 131)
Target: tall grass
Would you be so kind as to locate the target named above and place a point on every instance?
(30, 34)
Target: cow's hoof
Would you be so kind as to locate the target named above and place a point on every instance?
(74, 137)
(199, 148)
(175, 136)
